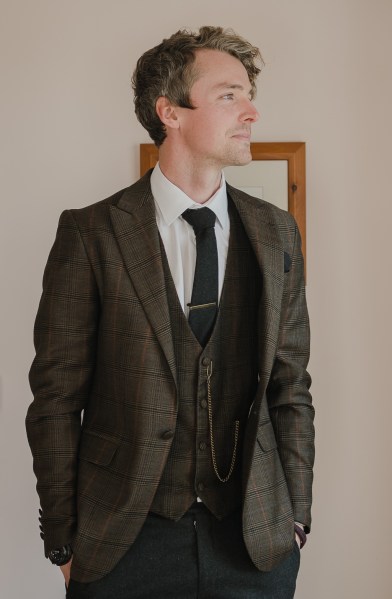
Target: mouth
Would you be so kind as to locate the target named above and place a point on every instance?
(242, 136)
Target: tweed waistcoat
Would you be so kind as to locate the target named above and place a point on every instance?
(232, 353)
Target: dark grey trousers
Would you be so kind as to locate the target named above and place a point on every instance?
(197, 557)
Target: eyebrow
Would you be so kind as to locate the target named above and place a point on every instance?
(226, 85)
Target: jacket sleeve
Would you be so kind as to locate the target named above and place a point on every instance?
(60, 376)
(289, 400)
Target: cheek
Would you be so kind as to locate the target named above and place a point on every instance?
(203, 128)
(209, 117)
(206, 128)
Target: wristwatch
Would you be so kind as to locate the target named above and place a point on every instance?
(60, 557)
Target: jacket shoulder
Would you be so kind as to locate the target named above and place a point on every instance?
(127, 197)
(265, 211)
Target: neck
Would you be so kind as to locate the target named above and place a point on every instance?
(199, 182)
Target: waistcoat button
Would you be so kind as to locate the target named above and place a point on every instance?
(203, 403)
(205, 361)
(202, 445)
(167, 435)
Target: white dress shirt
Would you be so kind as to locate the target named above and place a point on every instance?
(178, 236)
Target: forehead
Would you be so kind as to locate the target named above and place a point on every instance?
(218, 69)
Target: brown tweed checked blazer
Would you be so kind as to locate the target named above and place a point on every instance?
(104, 349)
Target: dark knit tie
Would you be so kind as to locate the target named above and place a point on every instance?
(204, 303)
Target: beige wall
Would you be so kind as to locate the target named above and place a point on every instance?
(69, 138)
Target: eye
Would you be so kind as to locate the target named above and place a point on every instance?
(228, 96)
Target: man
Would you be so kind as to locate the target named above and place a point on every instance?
(173, 316)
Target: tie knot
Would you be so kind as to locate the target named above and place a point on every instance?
(200, 218)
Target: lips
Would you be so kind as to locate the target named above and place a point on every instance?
(244, 135)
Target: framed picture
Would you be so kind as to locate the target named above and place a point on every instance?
(276, 174)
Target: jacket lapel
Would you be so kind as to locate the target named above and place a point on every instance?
(136, 231)
(135, 228)
(264, 236)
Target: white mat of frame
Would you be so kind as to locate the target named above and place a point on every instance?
(265, 179)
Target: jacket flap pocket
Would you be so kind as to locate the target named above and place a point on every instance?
(266, 437)
(96, 449)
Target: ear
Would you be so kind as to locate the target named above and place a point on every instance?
(167, 113)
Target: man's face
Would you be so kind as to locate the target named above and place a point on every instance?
(217, 132)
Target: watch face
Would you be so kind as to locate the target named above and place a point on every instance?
(61, 556)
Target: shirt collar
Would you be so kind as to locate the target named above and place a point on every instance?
(171, 201)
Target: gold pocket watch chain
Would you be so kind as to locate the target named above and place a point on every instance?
(236, 432)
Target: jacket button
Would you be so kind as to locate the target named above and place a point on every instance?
(205, 361)
(167, 435)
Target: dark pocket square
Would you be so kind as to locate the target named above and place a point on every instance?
(287, 262)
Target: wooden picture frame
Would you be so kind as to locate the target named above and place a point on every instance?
(292, 152)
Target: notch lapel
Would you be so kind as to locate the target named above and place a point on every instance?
(137, 235)
(265, 238)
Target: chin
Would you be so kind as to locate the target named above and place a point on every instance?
(240, 159)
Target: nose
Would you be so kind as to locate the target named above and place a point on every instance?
(250, 113)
